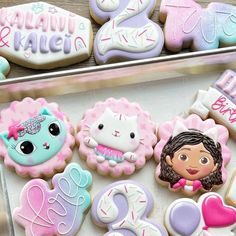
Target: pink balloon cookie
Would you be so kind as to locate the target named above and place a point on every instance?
(123, 207)
(192, 154)
(219, 101)
(187, 24)
(209, 217)
(39, 35)
(116, 137)
(128, 32)
(58, 211)
(36, 138)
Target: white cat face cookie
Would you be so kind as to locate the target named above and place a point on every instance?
(116, 137)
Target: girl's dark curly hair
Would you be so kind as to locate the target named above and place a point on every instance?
(191, 138)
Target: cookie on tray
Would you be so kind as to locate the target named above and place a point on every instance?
(116, 137)
(36, 138)
(192, 154)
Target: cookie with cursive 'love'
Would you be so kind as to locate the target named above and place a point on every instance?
(192, 154)
(116, 137)
(58, 211)
(39, 35)
(36, 138)
(219, 102)
(208, 217)
(189, 25)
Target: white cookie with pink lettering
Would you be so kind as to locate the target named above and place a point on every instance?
(219, 102)
(42, 36)
(116, 137)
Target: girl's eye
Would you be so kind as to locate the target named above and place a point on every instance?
(132, 135)
(25, 147)
(100, 126)
(54, 129)
(183, 157)
(204, 160)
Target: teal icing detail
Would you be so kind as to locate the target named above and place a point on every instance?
(4, 68)
(42, 138)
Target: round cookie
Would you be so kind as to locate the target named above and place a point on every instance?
(116, 137)
(36, 138)
(192, 154)
(123, 207)
(208, 217)
(127, 32)
(4, 68)
(58, 211)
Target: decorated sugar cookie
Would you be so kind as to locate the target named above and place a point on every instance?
(4, 68)
(192, 154)
(36, 138)
(116, 137)
(208, 217)
(219, 102)
(230, 196)
(123, 209)
(127, 32)
(187, 24)
(57, 211)
(39, 35)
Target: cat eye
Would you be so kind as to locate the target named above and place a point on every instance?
(25, 147)
(54, 128)
(100, 126)
(132, 135)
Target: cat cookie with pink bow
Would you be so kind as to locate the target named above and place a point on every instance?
(208, 217)
(192, 154)
(219, 101)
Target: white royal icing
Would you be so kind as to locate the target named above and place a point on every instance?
(112, 36)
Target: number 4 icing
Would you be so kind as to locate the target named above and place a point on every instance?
(57, 211)
(129, 34)
(123, 207)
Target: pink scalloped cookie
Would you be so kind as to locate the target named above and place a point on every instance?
(116, 137)
(55, 212)
(36, 138)
(192, 154)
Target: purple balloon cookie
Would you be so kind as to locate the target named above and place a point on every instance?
(129, 33)
(122, 207)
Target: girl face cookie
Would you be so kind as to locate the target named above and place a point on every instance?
(57, 211)
(36, 137)
(208, 217)
(192, 154)
(116, 137)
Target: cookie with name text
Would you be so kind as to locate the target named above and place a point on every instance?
(116, 137)
(36, 138)
(192, 154)
(39, 35)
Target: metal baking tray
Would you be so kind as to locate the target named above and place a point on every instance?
(132, 72)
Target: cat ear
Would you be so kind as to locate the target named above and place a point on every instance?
(45, 111)
(4, 138)
(179, 128)
(212, 133)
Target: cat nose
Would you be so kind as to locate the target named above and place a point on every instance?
(46, 145)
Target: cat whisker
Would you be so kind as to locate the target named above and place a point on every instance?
(141, 143)
(141, 139)
(87, 125)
